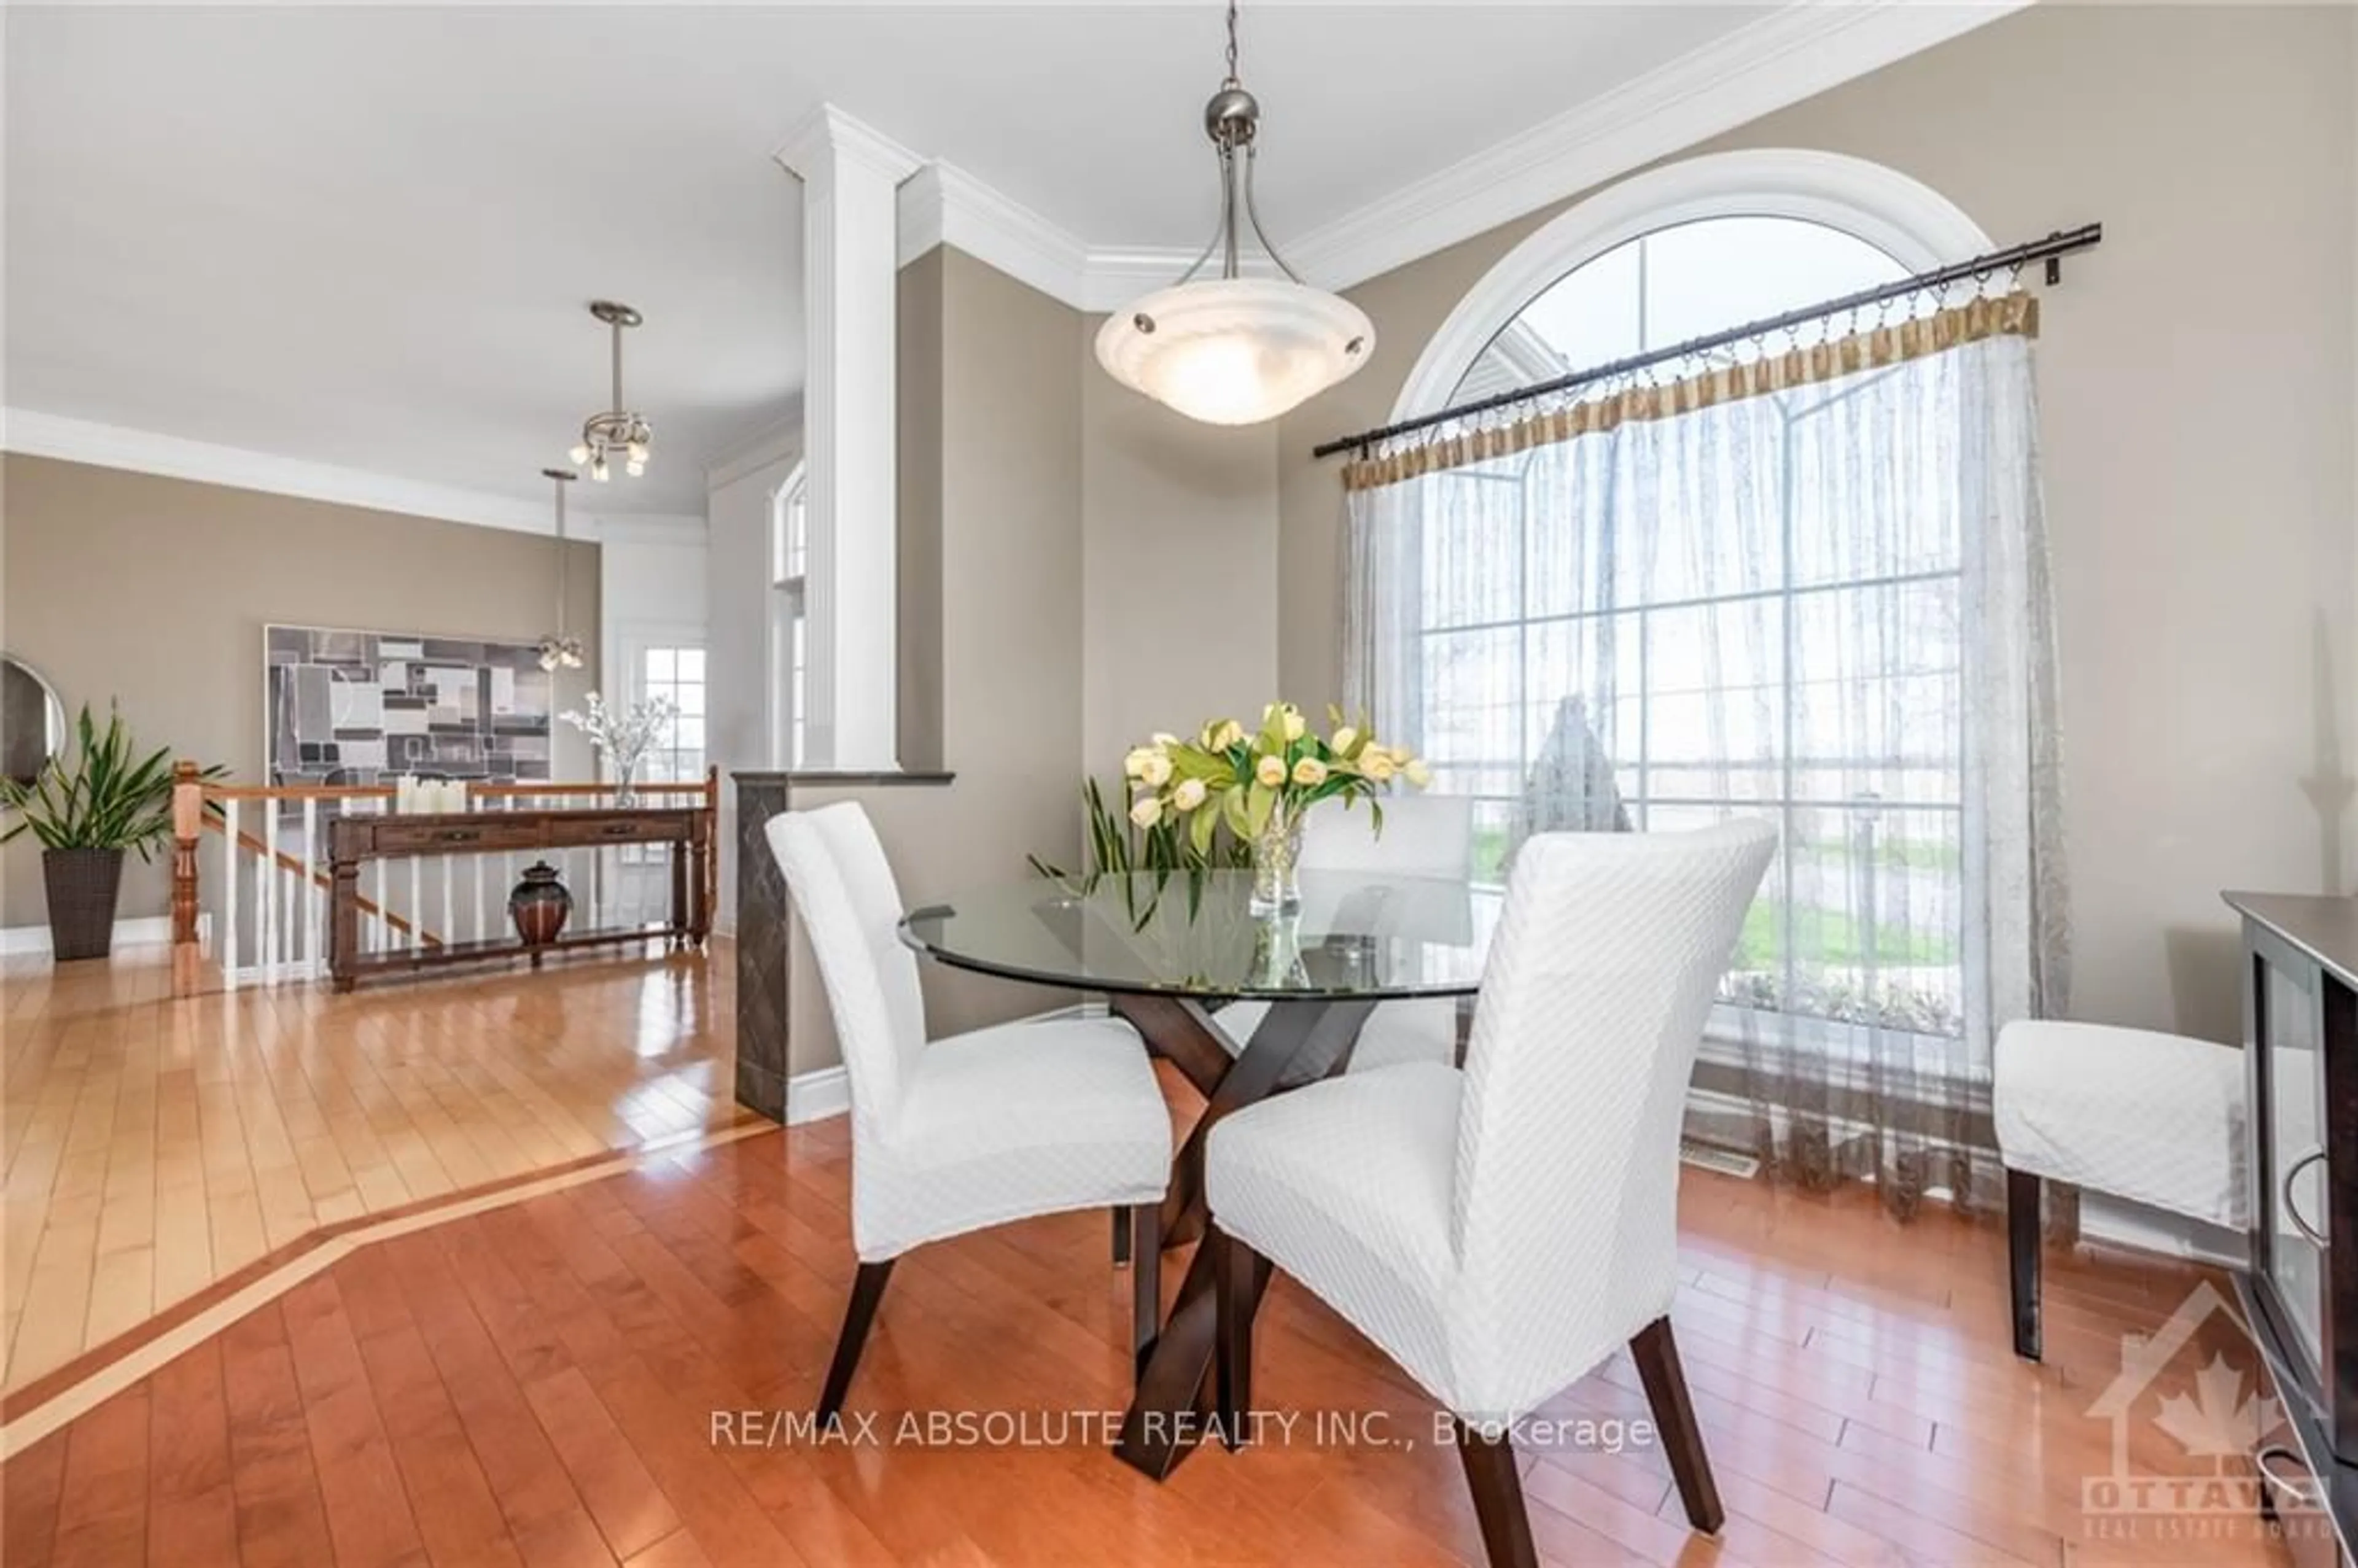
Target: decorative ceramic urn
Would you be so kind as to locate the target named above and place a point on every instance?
(539, 905)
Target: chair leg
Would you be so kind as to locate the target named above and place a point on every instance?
(2023, 1204)
(1497, 1497)
(1238, 1273)
(1122, 1224)
(1657, 1355)
(867, 1290)
(1144, 1237)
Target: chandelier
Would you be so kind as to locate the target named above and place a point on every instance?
(617, 433)
(558, 650)
(1234, 350)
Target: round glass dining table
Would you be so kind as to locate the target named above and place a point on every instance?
(1169, 951)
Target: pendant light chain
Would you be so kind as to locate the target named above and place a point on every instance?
(615, 364)
(1234, 348)
(561, 552)
(560, 649)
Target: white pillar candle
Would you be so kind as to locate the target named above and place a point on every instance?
(405, 794)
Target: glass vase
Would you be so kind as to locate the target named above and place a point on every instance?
(1277, 954)
(626, 780)
(1276, 857)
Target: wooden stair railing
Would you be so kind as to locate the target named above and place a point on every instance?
(196, 807)
(321, 880)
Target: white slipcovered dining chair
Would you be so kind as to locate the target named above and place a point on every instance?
(975, 1129)
(1499, 1230)
(2157, 1118)
(1423, 836)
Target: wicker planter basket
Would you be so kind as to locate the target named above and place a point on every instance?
(83, 886)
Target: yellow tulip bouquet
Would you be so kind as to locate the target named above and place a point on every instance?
(1260, 783)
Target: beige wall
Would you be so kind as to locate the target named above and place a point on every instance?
(1182, 567)
(2197, 380)
(154, 592)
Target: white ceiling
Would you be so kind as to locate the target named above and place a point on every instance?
(365, 237)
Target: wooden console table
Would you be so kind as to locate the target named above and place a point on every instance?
(353, 840)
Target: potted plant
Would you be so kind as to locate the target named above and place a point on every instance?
(87, 808)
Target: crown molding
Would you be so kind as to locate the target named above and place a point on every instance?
(1792, 53)
(827, 130)
(943, 204)
(34, 434)
(1783, 57)
(778, 441)
(652, 528)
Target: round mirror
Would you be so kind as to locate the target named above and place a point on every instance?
(32, 720)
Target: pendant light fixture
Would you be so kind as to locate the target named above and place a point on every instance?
(617, 433)
(557, 650)
(1234, 349)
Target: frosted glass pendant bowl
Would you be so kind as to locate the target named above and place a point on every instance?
(1235, 351)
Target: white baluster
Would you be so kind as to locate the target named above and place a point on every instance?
(507, 867)
(269, 892)
(311, 903)
(383, 926)
(479, 931)
(232, 858)
(416, 909)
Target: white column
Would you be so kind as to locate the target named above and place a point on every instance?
(850, 297)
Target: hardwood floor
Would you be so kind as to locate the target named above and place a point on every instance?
(542, 1384)
(153, 1147)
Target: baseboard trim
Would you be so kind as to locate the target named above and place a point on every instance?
(817, 1095)
(146, 931)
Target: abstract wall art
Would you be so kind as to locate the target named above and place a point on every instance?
(360, 707)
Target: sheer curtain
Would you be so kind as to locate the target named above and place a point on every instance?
(1808, 585)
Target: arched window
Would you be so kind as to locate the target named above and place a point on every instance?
(789, 660)
(1671, 285)
(1908, 221)
(1807, 587)
(1509, 623)
(1760, 606)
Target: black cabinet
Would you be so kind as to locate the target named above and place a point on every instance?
(2301, 1290)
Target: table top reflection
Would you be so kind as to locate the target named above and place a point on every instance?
(1354, 934)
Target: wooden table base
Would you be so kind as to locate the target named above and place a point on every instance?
(1298, 1042)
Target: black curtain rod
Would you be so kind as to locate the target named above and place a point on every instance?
(2051, 250)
